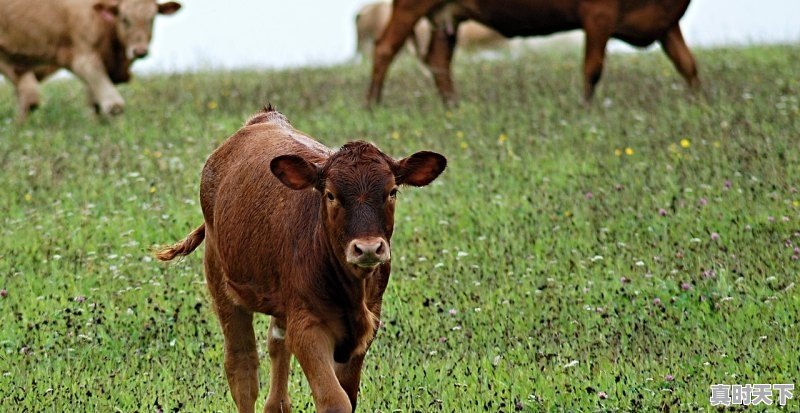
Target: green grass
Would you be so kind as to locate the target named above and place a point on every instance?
(527, 236)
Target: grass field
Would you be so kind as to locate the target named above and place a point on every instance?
(642, 249)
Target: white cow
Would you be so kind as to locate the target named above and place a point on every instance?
(97, 40)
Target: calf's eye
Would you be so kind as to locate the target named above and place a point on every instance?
(330, 196)
(393, 193)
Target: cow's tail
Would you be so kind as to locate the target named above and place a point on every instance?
(184, 247)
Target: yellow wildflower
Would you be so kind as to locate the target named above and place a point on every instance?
(152, 189)
(212, 105)
(618, 152)
(395, 135)
(502, 138)
(685, 143)
(629, 151)
(464, 145)
(28, 197)
(460, 135)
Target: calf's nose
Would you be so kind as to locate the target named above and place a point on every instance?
(368, 252)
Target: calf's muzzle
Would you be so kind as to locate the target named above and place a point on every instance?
(368, 252)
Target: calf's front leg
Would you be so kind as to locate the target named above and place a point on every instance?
(313, 349)
(349, 375)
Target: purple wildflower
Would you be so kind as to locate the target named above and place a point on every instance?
(714, 236)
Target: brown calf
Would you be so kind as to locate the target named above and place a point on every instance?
(638, 22)
(302, 233)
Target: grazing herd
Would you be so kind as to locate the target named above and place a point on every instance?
(98, 40)
(293, 229)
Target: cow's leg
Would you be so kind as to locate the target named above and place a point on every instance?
(90, 69)
(598, 24)
(278, 399)
(440, 55)
(29, 97)
(25, 86)
(677, 51)
(405, 14)
(349, 375)
(241, 355)
(313, 349)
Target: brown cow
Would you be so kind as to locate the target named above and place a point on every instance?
(638, 22)
(302, 233)
(97, 40)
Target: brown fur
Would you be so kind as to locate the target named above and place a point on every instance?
(638, 22)
(284, 220)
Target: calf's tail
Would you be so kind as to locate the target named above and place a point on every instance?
(184, 247)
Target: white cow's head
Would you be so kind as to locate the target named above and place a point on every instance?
(133, 20)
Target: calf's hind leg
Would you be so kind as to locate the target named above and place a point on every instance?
(241, 355)
(278, 399)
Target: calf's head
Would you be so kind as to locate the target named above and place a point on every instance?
(133, 21)
(358, 188)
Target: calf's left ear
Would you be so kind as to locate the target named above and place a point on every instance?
(169, 7)
(294, 171)
(420, 169)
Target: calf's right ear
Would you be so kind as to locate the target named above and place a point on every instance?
(294, 171)
(420, 169)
